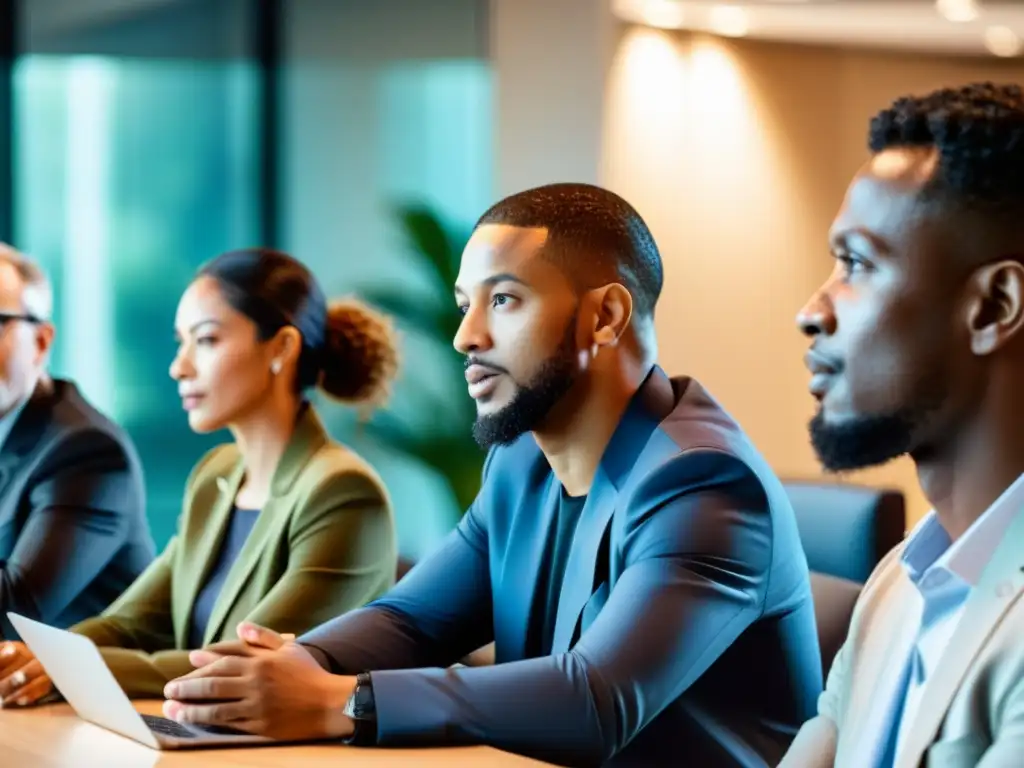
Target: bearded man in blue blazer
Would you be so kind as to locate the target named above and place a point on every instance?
(631, 555)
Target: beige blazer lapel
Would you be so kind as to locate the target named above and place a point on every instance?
(881, 644)
(999, 587)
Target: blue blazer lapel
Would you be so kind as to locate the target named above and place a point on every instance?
(521, 567)
(578, 584)
(652, 403)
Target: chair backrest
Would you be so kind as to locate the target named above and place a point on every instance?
(846, 529)
(834, 599)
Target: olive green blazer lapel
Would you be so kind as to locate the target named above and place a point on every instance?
(205, 534)
(308, 438)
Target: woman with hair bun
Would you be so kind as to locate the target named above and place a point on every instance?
(282, 526)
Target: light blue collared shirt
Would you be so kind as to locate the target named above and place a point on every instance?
(944, 574)
(8, 420)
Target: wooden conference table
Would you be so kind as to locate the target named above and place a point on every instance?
(54, 737)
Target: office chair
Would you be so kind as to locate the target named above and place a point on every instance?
(845, 531)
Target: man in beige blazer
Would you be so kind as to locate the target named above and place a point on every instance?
(918, 349)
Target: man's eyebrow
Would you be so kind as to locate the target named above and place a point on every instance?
(505, 277)
(856, 236)
(502, 277)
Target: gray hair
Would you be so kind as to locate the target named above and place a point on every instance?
(37, 296)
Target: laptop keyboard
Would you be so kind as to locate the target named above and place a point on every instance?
(166, 727)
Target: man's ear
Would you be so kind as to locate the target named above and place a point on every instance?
(45, 333)
(613, 308)
(995, 306)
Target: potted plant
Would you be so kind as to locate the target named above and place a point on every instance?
(448, 448)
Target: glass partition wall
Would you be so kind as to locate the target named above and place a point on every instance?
(147, 137)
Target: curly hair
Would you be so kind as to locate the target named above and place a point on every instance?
(360, 356)
(977, 131)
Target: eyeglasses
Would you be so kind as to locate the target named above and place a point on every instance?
(8, 317)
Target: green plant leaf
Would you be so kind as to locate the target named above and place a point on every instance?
(414, 312)
(453, 454)
(427, 236)
(457, 458)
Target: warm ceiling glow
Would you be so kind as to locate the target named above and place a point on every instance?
(667, 14)
(1003, 41)
(728, 20)
(664, 14)
(718, 93)
(958, 10)
(651, 70)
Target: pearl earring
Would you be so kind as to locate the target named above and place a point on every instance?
(275, 367)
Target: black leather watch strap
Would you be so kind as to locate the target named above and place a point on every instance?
(362, 708)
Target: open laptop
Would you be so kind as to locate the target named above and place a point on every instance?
(77, 670)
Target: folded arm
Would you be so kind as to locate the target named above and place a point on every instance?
(79, 518)
(135, 634)
(696, 563)
(341, 554)
(437, 614)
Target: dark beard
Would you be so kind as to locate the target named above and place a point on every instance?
(862, 442)
(532, 401)
(868, 441)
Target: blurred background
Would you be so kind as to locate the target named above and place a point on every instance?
(139, 138)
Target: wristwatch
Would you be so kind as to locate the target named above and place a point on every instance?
(362, 709)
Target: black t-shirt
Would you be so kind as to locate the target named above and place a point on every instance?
(549, 583)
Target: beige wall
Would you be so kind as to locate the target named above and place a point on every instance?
(547, 102)
(738, 154)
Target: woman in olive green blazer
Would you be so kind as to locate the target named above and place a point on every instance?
(283, 527)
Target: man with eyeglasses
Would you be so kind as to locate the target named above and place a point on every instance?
(73, 532)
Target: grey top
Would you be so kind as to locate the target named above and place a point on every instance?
(239, 527)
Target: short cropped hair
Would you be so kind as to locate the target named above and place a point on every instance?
(594, 235)
(37, 297)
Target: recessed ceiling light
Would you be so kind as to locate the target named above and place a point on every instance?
(729, 20)
(958, 10)
(1003, 41)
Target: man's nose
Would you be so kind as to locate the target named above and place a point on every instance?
(473, 334)
(817, 317)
